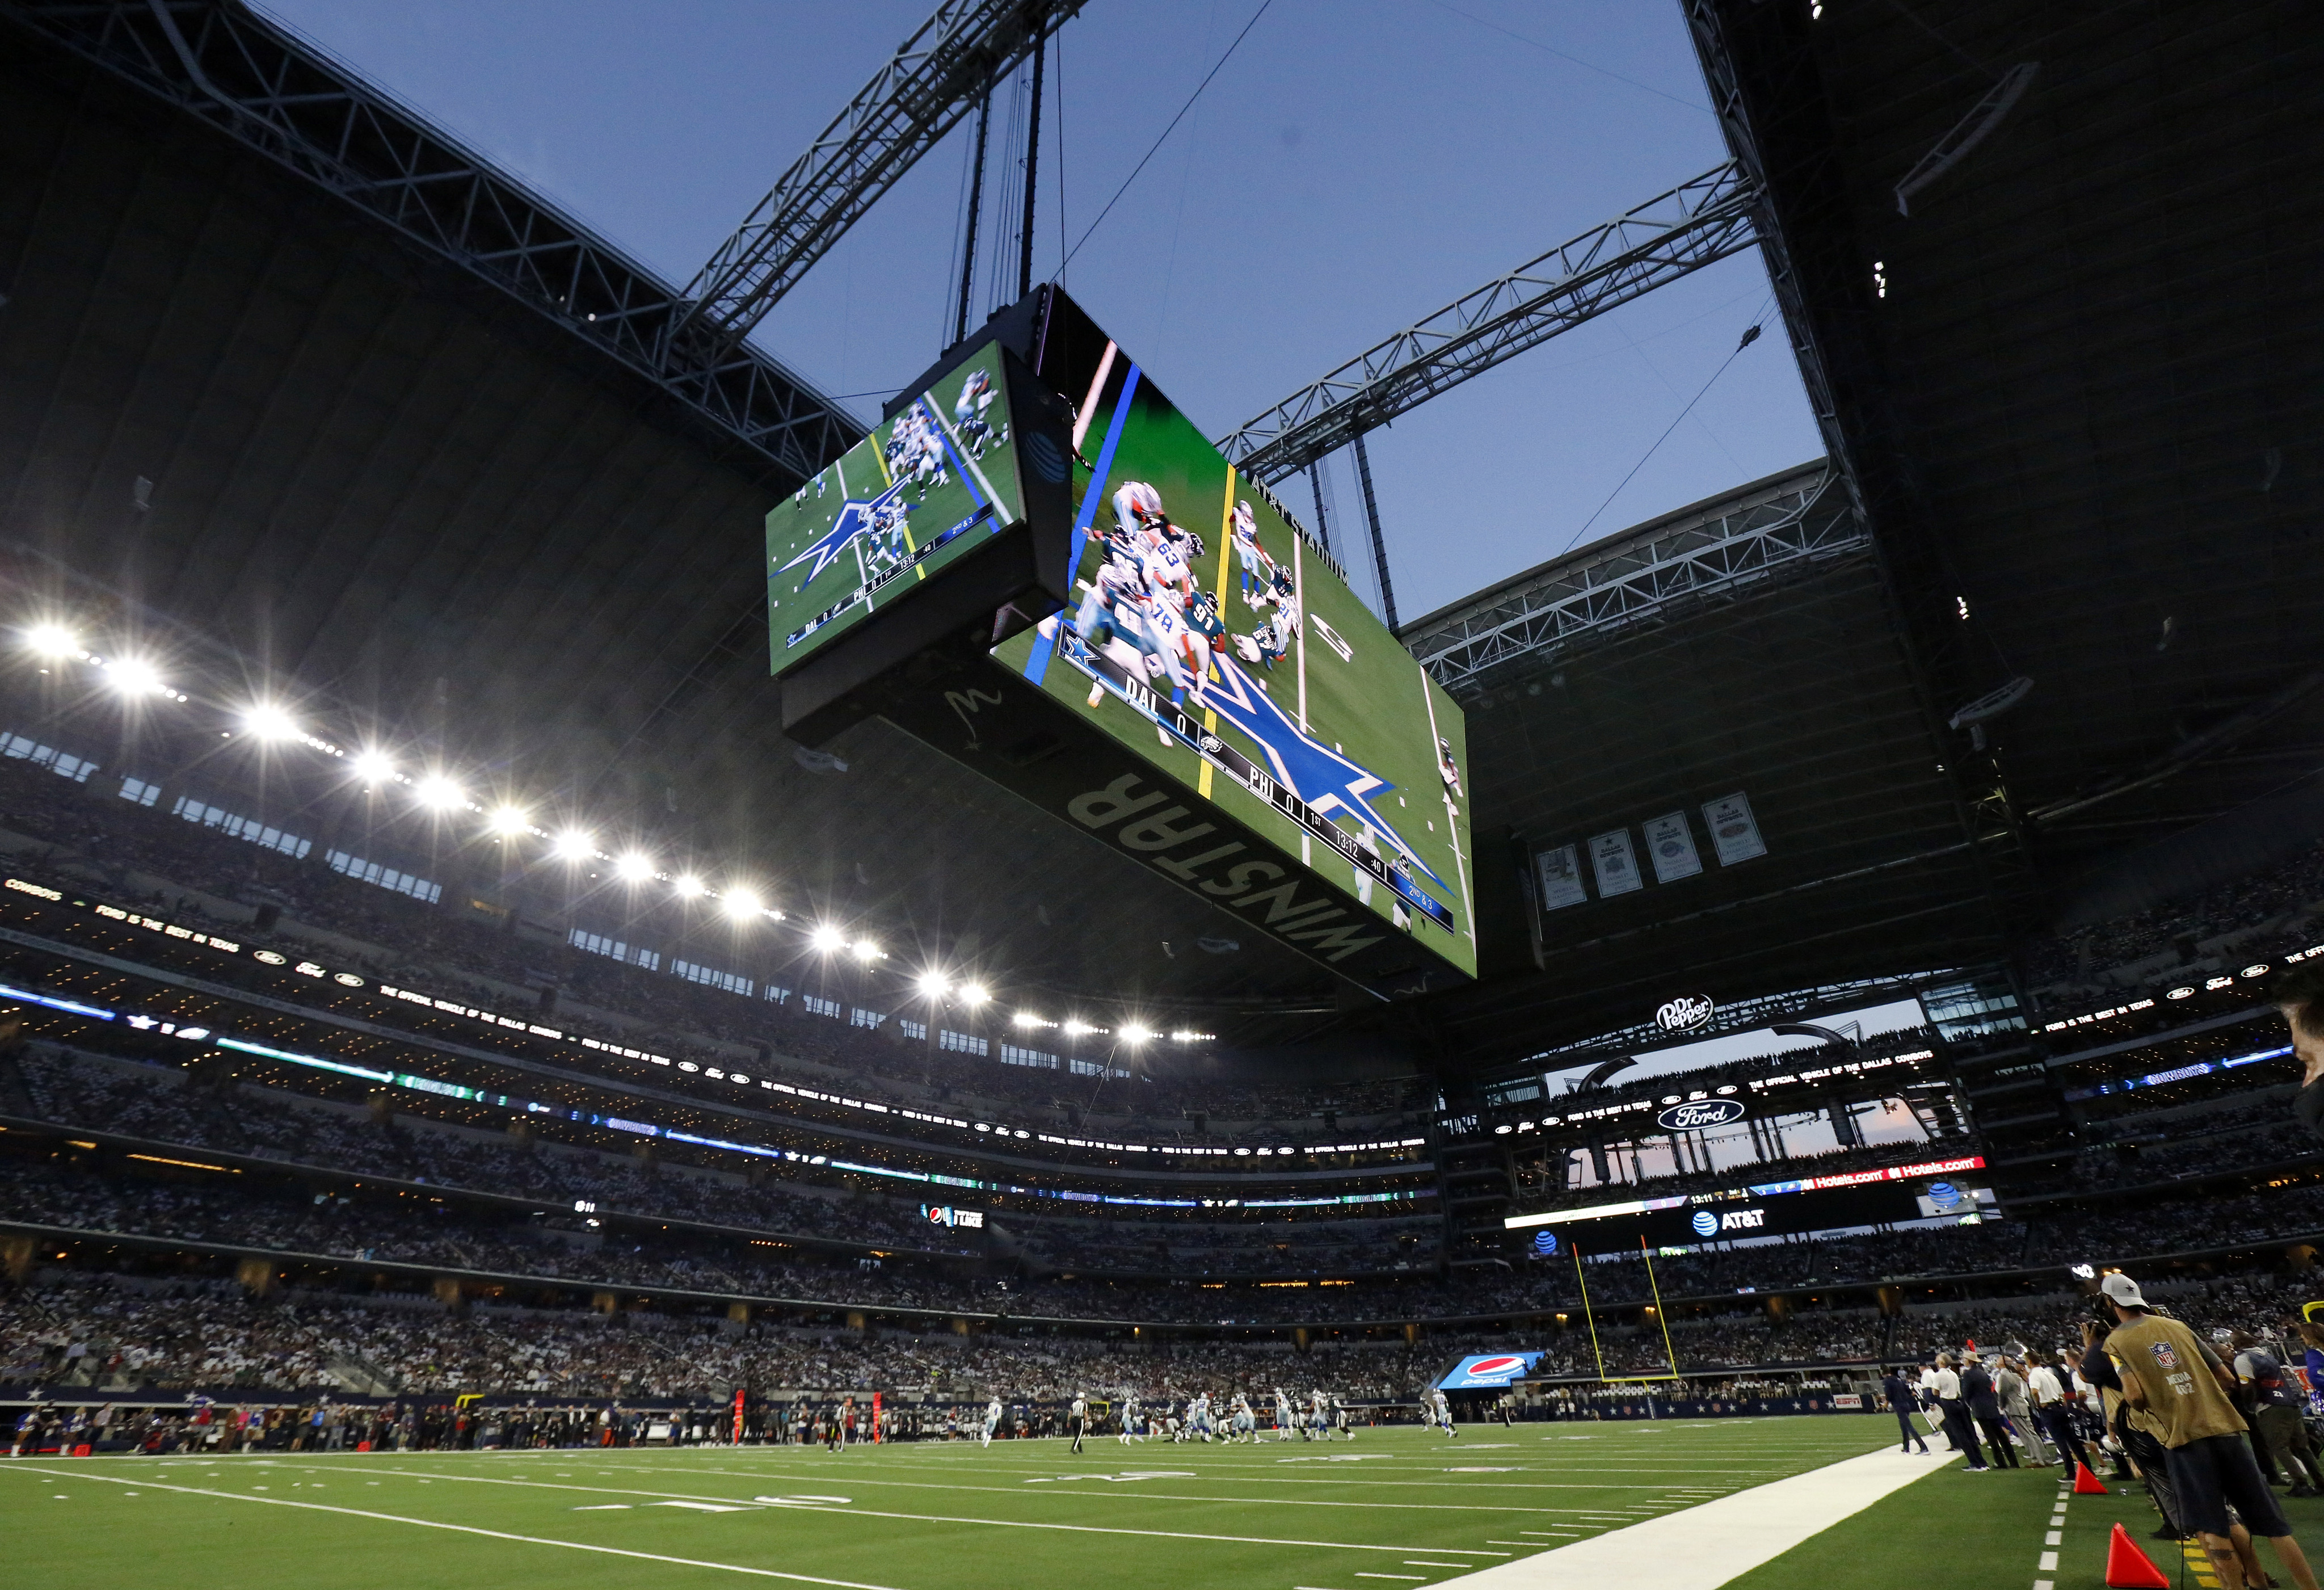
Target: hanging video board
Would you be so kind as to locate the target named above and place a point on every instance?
(1211, 636)
(1040, 567)
(927, 487)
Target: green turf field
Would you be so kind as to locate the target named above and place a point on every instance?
(1391, 1509)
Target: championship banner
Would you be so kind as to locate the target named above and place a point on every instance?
(1670, 844)
(1560, 874)
(1734, 831)
(1616, 865)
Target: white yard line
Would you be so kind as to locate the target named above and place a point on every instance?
(1703, 1547)
(860, 1480)
(998, 1523)
(81, 1471)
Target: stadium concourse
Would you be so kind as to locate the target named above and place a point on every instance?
(485, 1092)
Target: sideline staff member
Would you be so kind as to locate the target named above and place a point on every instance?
(1902, 1402)
(2168, 1371)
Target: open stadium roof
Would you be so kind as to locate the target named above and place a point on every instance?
(270, 400)
(253, 418)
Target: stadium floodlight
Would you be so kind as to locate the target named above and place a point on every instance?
(743, 905)
(372, 767)
(866, 951)
(1136, 1033)
(634, 867)
(262, 720)
(974, 993)
(827, 938)
(439, 793)
(52, 640)
(573, 844)
(690, 887)
(1028, 1019)
(1076, 1027)
(509, 821)
(132, 675)
(935, 984)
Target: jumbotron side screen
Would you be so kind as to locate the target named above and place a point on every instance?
(922, 492)
(1207, 634)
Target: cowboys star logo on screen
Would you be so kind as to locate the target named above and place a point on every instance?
(1325, 778)
(855, 519)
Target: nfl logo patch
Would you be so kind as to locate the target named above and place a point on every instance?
(2164, 1355)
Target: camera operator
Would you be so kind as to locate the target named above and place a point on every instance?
(2298, 994)
(2137, 1453)
(2167, 1371)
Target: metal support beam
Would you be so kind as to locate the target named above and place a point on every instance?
(975, 212)
(1032, 172)
(224, 64)
(1379, 546)
(934, 80)
(1806, 518)
(1322, 519)
(1672, 235)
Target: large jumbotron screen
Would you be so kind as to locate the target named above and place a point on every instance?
(921, 493)
(1208, 635)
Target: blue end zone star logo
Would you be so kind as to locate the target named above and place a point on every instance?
(1319, 775)
(855, 519)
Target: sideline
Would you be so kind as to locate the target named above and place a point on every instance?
(1705, 1547)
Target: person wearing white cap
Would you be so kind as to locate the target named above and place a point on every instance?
(2168, 1372)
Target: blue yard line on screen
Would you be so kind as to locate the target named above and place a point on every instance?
(54, 1004)
(971, 476)
(1037, 666)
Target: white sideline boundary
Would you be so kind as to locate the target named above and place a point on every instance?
(1705, 1547)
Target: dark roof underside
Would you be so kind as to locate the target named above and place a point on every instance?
(2088, 404)
(378, 477)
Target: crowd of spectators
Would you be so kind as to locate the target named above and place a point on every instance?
(2248, 915)
(418, 1231)
(2200, 1147)
(142, 856)
(110, 1333)
(72, 1090)
(88, 1330)
(81, 1093)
